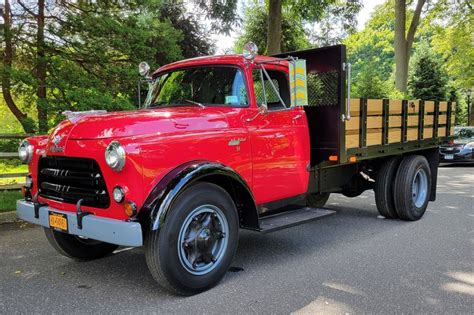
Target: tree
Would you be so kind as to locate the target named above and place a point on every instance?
(404, 40)
(7, 69)
(293, 35)
(302, 11)
(83, 55)
(428, 81)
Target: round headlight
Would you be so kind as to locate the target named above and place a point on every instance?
(115, 156)
(118, 194)
(25, 151)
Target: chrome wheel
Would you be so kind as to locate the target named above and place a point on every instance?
(420, 188)
(203, 239)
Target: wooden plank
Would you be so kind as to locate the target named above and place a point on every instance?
(11, 186)
(374, 136)
(429, 120)
(394, 135)
(441, 131)
(352, 141)
(395, 121)
(412, 134)
(374, 107)
(8, 155)
(453, 118)
(395, 107)
(412, 121)
(372, 122)
(443, 106)
(451, 132)
(355, 107)
(442, 119)
(352, 124)
(429, 106)
(11, 175)
(428, 133)
(413, 107)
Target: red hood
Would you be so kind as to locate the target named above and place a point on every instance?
(142, 122)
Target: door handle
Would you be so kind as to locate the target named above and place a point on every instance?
(297, 117)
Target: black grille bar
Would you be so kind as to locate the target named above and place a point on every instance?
(69, 179)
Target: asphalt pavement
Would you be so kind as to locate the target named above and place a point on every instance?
(354, 262)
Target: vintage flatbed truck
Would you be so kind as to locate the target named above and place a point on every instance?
(217, 147)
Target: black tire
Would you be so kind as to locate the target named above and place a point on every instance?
(384, 187)
(317, 200)
(161, 246)
(407, 208)
(76, 248)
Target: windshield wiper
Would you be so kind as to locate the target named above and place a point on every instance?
(195, 103)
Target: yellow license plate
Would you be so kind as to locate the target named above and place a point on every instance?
(58, 221)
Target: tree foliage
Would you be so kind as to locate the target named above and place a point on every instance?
(91, 50)
(427, 80)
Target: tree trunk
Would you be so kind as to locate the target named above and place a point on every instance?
(41, 103)
(403, 42)
(400, 46)
(7, 67)
(274, 27)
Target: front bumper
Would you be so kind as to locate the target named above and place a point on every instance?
(98, 228)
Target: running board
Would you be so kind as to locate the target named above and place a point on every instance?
(291, 218)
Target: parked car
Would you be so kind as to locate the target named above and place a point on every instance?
(460, 150)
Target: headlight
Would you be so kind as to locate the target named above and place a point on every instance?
(118, 194)
(25, 151)
(115, 156)
(469, 145)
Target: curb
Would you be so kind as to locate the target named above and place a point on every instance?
(8, 217)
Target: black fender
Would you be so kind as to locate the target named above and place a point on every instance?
(157, 205)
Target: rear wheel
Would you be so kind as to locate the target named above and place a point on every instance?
(193, 249)
(317, 200)
(412, 187)
(77, 248)
(384, 187)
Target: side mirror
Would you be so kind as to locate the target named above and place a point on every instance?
(143, 69)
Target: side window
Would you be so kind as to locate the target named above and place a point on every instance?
(280, 82)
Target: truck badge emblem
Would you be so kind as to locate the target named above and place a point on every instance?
(55, 147)
(235, 142)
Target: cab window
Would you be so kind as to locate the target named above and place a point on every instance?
(265, 90)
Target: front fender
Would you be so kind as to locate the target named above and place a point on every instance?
(158, 203)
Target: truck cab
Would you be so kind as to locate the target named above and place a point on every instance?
(221, 143)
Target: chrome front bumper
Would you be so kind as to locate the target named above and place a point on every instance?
(98, 228)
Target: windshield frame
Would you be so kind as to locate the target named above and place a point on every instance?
(234, 66)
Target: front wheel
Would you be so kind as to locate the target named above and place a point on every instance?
(317, 200)
(78, 248)
(194, 248)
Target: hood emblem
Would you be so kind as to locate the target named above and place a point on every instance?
(55, 147)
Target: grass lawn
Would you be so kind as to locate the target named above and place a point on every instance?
(8, 200)
(8, 167)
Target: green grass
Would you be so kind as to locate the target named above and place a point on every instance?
(8, 200)
(9, 167)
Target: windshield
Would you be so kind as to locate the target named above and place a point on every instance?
(203, 86)
(464, 133)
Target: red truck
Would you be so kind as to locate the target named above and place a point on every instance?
(217, 147)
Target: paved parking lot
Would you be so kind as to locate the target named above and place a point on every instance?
(352, 262)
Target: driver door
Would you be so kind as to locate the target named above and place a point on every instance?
(280, 142)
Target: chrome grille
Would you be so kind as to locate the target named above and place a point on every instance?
(69, 179)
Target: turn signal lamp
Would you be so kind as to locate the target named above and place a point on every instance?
(130, 208)
(352, 159)
(333, 158)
